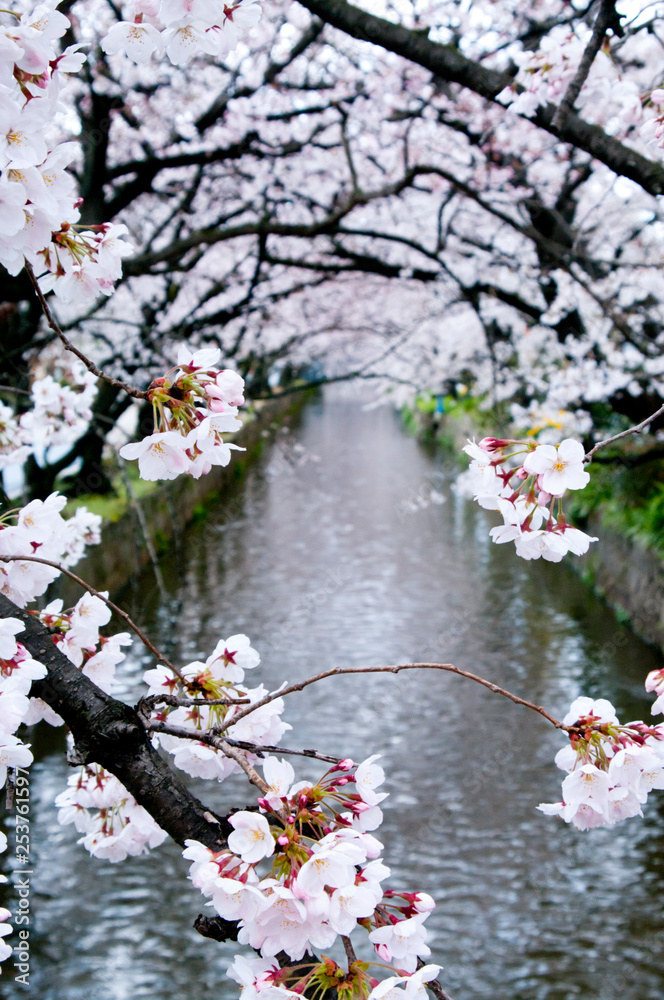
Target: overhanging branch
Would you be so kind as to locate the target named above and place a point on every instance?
(110, 733)
(447, 63)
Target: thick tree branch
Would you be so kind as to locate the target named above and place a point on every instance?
(449, 64)
(110, 733)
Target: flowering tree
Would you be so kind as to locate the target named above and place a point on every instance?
(300, 866)
(312, 195)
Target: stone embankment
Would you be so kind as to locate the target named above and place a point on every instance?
(149, 524)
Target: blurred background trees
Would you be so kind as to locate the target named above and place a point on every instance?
(347, 193)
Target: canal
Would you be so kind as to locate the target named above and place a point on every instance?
(346, 546)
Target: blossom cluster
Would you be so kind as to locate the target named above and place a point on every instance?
(611, 767)
(15, 441)
(325, 870)
(192, 409)
(180, 28)
(76, 634)
(61, 408)
(218, 679)
(17, 672)
(324, 880)
(38, 201)
(40, 531)
(263, 978)
(111, 821)
(526, 494)
(60, 413)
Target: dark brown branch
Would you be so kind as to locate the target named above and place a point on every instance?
(327, 224)
(109, 733)
(210, 738)
(447, 63)
(606, 16)
(632, 430)
(393, 669)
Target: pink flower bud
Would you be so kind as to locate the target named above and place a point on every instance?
(283, 840)
(543, 498)
(344, 765)
(493, 444)
(521, 473)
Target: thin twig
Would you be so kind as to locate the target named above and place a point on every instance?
(150, 702)
(12, 388)
(605, 15)
(227, 747)
(91, 590)
(241, 761)
(632, 430)
(434, 985)
(55, 326)
(212, 738)
(337, 671)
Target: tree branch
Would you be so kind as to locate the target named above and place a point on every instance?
(209, 737)
(95, 593)
(631, 430)
(605, 16)
(338, 671)
(55, 326)
(447, 63)
(110, 733)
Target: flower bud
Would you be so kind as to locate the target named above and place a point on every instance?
(493, 444)
(344, 765)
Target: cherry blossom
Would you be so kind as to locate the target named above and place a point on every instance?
(414, 987)
(525, 494)
(611, 767)
(185, 31)
(558, 469)
(402, 942)
(9, 628)
(188, 434)
(251, 837)
(113, 824)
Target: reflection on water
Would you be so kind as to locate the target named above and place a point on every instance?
(347, 548)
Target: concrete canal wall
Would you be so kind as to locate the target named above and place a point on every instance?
(166, 510)
(630, 578)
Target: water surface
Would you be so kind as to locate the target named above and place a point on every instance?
(346, 547)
